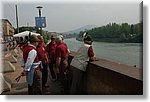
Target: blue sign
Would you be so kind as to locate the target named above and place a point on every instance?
(40, 22)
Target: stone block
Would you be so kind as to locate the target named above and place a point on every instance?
(7, 67)
(15, 53)
(10, 57)
(4, 85)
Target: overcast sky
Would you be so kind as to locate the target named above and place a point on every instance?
(62, 17)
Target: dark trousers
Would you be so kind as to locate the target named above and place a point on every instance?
(78, 83)
(52, 65)
(69, 78)
(63, 76)
(36, 88)
(44, 74)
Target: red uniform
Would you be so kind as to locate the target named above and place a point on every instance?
(65, 44)
(35, 87)
(23, 45)
(51, 49)
(42, 57)
(41, 53)
(62, 51)
(26, 52)
(90, 52)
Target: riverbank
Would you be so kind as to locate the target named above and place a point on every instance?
(125, 53)
(113, 40)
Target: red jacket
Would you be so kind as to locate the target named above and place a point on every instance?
(41, 53)
(51, 50)
(62, 51)
(26, 52)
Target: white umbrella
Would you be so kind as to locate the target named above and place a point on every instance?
(25, 33)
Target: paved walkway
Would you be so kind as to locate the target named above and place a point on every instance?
(20, 88)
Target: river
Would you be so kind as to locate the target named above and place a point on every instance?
(125, 53)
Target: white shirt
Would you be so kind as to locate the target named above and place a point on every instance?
(80, 60)
(31, 57)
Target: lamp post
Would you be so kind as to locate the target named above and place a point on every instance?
(39, 8)
(17, 18)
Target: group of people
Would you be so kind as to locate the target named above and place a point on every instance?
(37, 58)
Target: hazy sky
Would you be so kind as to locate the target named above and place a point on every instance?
(62, 17)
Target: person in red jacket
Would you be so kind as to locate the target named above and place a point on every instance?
(64, 42)
(43, 57)
(62, 62)
(31, 68)
(51, 49)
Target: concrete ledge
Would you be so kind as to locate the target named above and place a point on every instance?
(111, 78)
(101, 80)
(131, 71)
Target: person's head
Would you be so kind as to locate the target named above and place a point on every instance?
(62, 37)
(53, 38)
(40, 38)
(88, 40)
(58, 39)
(26, 38)
(21, 40)
(34, 40)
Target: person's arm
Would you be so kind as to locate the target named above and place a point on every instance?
(58, 59)
(47, 53)
(67, 48)
(31, 57)
(47, 59)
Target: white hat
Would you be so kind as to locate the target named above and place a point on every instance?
(58, 38)
(62, 37)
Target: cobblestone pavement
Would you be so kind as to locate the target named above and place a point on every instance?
(20, 88)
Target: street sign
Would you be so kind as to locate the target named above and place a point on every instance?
(40, 22)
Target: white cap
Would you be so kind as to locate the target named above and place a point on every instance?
(61, 36)
(58, 38)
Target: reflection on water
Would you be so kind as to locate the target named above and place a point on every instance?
(127, 53)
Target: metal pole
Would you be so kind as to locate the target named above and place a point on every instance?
(39, 12)
(40, 16)
(17, 19)
(40, 7)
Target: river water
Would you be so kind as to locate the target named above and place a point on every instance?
(125, 53)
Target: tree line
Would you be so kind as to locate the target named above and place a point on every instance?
(112, 32)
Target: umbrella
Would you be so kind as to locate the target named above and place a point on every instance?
(25, 33)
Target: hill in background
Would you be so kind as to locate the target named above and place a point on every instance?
(77, 31)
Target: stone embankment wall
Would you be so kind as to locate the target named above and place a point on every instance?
(111, 78)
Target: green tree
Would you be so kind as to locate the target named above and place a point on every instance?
(113, 32)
